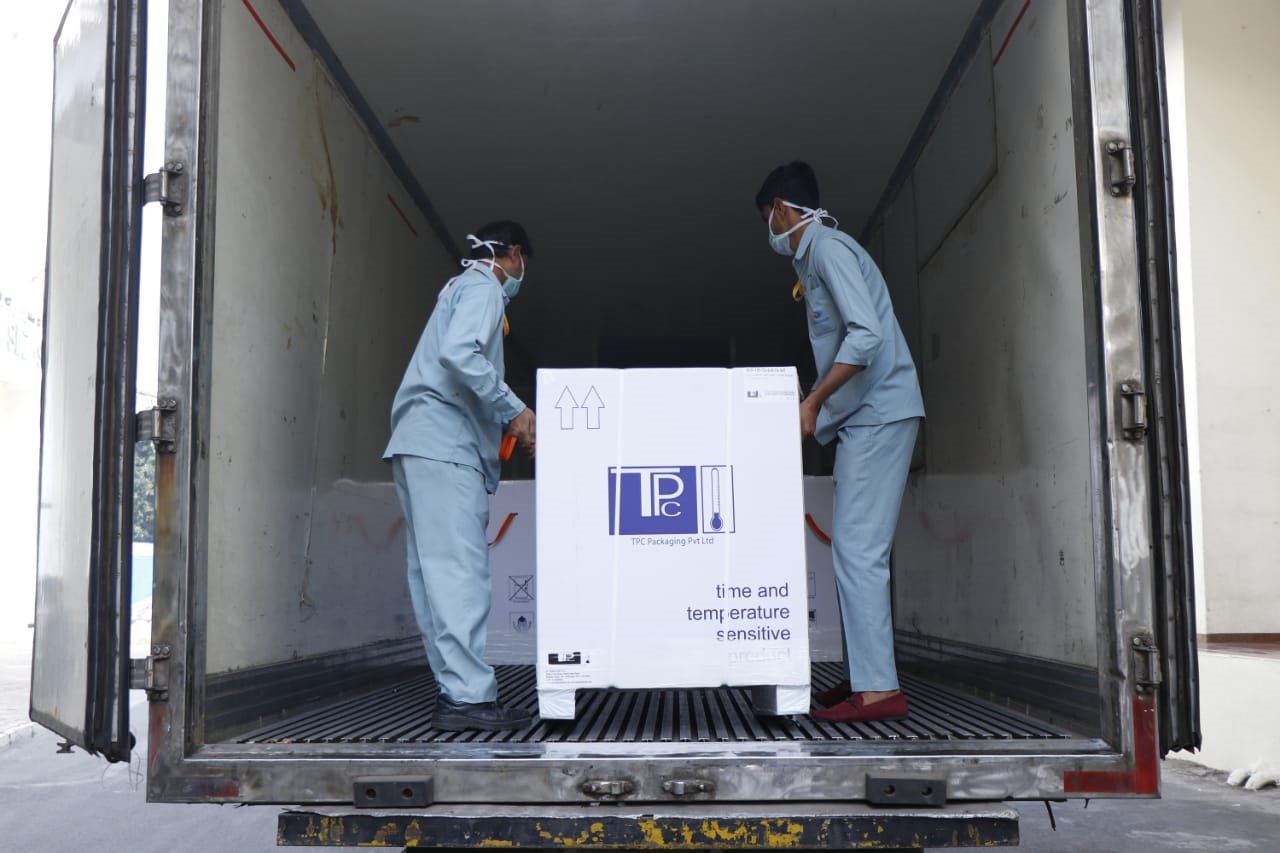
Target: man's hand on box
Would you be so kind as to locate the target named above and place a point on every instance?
(524, 428)
(808, 418)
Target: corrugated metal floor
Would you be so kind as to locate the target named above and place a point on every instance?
(401, 713)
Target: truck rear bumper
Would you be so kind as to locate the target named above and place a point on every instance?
(798, 826)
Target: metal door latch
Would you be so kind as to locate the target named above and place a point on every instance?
(158, 426)
(1146, 664)
(607, 789)
(1133, 410)
(152, 673)
(1122, 171)
(165, 187)
(688, 787)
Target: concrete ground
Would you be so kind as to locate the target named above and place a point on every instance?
(15, 681)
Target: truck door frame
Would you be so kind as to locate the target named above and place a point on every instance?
(184, 768)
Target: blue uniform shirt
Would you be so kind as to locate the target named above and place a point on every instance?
(851, 321)
(453, 402)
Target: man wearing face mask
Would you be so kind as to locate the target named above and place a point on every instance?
(868, 400)
(446, 427)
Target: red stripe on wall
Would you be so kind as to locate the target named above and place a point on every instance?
(270, 36)
(1018, 20)
(407, 223)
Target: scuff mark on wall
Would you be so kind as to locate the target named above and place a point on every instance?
(326, 183)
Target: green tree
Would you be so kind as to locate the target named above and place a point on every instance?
(144, 492)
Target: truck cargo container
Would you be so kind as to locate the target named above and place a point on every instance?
(1004, 162)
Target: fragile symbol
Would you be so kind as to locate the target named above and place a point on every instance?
(520, 588)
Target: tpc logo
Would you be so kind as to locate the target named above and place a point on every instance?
(671, 499)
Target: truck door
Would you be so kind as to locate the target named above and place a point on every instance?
(80, 672)
(1149, 596)
(1171, 504)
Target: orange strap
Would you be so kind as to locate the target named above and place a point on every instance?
(502, 531)
(506, 326)
(817, 531)
(797, 292)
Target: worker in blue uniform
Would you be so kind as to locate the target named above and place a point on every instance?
(867, 399)
(447, 422)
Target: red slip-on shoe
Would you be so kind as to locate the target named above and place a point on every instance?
(853, 710)
(832, 695)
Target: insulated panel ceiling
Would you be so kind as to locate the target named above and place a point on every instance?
(630, 136)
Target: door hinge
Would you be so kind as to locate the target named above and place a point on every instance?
(152, 673)
(158, 425)
(608, 789)
(1122, 171)
(1133, 410)
(167, 187)
(689, 787)
(1146, 664)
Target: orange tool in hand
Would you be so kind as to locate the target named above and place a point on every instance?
(508, 447)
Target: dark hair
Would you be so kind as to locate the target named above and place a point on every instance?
(794, 182)
(508, 234)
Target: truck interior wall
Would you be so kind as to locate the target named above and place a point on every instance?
(995, 544)
(324, 271)
(319, 264)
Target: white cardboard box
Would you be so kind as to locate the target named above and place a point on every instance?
(513, 615)
(671, 534)
(826, 641)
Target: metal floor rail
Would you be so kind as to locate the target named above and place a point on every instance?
(401, 713)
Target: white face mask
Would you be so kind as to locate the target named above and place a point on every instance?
(780, 242)
(511, 286)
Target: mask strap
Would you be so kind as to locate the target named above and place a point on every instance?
(816, 214)
(476, 243)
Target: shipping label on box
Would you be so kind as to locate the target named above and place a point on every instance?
(670, 532)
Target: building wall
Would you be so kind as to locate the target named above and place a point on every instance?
(19, 460)
(1223, 72)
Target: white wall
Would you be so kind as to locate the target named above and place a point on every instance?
(27, 31)
(1224, 76)
(1239, 694)
(19, 461)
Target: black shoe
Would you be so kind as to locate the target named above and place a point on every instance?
(453, 716)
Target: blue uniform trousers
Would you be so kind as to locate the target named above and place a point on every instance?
(871, 469)
(446, 510)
